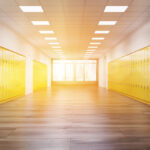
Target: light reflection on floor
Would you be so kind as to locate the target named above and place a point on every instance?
(74, 118)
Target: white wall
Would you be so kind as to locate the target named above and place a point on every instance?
(102, 72)
(140, 38)
(29, 75)
(13, 41)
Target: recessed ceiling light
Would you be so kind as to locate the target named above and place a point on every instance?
(102, 32)
(50, 38)
(56, 46)
(95, 43)
(54, 43)
(92, 46)
(46, 32)
(38, 23)
(97, 38)
(115, 8)
(31, 8)
(107, 22)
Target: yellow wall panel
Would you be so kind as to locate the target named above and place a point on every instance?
(12, 75)
(130, 75)
(148, 75)
(39, 75)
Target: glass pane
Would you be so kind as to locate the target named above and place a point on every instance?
(74, 70)
(69, 72)
(79, 72)
(58, 72)
(90, 72)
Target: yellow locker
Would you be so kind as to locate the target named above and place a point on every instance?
(146, 74)
(1, 80)
(131, 75)
(148, 67)
(12, 75)
(39, 75)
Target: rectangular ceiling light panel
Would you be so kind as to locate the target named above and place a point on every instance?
(46, 32)
(54, 43)
(97, 38)
(95, 43)
(115, 8)
(38, 23)
(50, 38)
(102, 32)
(107, 23)
(31, 8)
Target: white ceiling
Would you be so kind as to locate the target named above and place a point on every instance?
(74, 22)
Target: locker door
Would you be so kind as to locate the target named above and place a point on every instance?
(139, 75)
(131, 92)
(1, 65)
(148, 73)
(145, 74)
(39, 75)
(4, 75)
(130, 77)
(136, 75)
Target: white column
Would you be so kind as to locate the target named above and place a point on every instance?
(102, 72)
(29, 76)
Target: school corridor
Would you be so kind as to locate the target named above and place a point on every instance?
(74, 75)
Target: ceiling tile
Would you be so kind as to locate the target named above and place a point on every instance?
(74, 22)
(119, 2)
(28, 2)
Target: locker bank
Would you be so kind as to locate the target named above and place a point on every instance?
(74, 75)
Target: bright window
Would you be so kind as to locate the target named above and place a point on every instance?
(90, 72)
(74, 70)
(79, 72)
(59, 72)
(69, 72)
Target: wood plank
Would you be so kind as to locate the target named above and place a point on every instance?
(74, 118)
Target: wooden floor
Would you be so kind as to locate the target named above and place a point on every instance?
(74, 118)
